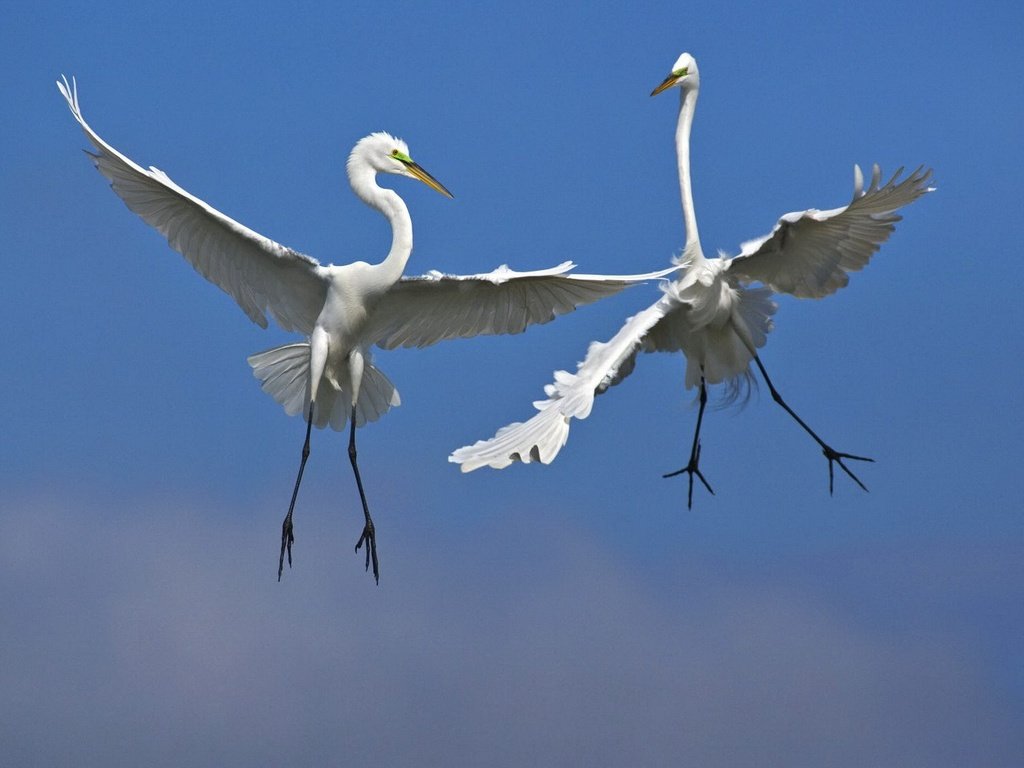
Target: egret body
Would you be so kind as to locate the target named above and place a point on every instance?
(342, 310)
(710, 312)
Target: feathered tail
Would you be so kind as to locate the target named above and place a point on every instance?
(283, 373)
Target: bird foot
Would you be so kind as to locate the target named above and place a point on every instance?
(836, 457)
(287, 538)
(692, 470)
(369, 538)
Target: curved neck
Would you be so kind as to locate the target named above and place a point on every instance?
(387, 201)
(687, 105)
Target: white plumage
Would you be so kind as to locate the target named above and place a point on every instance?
(709, 312)
(343, 310)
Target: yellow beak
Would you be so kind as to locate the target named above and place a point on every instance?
(426, 178)
(667, 83)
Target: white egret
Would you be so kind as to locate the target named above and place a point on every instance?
(709, 313)
(343, 310)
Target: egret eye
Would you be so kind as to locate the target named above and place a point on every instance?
(394, 153)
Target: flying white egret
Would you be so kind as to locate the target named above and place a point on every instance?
(709, 313)
(343, 310)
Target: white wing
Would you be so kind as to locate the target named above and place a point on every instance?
(420, 311)
(570, 396)
(258, 273)
(809, 253)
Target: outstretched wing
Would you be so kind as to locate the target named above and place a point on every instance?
(809, 253)
(258, 273)
(420, 311)
(570, 396)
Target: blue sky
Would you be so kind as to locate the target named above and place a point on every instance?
(571, 614)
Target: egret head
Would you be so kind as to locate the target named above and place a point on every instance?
(684, 74)
(384, 153)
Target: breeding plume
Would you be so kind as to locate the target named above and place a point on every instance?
(709, 312)
(342, 310)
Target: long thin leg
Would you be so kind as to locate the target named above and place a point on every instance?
(287, 537)
(369, 536)
(830, 454)
(691, 469)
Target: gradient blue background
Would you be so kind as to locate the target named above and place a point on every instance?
(575, 614)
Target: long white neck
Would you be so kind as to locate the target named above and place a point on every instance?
(387, 201)
(687, 105)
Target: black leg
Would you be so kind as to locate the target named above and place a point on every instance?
(287, 537)
(692, 469)
(830, 454)
(369, 536)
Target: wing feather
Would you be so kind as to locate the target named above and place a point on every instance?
(258, 273)
(570, 396)
(420, 311)
(810, 253)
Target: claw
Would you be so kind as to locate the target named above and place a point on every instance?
(287, 538)
(369, 537)
(693, 471)
(836, 457)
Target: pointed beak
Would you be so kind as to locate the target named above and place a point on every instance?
(417, 172)
(667, 83)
